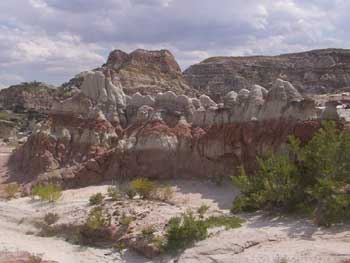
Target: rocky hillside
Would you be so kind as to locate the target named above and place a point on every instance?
(22, 107)
(27, 96)
(317, 72)
(147, 72)
(96, 131)
(100, 133)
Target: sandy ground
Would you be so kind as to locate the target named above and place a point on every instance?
(261, 239)
(16, 216)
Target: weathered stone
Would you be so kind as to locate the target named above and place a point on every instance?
(314, 71)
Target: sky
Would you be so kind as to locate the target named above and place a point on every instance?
(53, 40)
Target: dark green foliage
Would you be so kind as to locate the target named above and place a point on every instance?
(96, 199)
(314, 177)
(183, 231)
(202, 210)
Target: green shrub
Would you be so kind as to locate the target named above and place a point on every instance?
(183, 231)
(97, 219)
(148, 232)
(96, 199)
(125, 220)
(51, 218)
(275, 184)
(314, 176)
(11, 190)
(129, 192)
(50, 192)
(114, 193)
(229, 222)
(202, 210)
(143, 186)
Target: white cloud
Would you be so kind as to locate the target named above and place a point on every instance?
(63, 54)
(7, 79)
(54, 39)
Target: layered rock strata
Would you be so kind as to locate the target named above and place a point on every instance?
(147, 72)
(318, 71)
(28, 96)
(100, 133)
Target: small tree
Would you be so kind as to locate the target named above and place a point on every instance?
(313, 177)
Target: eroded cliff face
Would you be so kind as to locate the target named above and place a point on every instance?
(100, 133)
(103, 125)
(147, 72)
(318, 71)
(31, 96)
(22, 107)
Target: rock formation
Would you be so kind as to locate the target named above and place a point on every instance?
(147, 72)
(106, 128)
(84, 140)
(32, 96)
(21, 107)
(317, 71)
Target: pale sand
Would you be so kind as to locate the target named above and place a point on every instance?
(261, 239)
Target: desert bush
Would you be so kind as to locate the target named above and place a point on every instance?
(50, 192)
(148, 232)
(202, 210)
(11, 190)
(51, 218)
(114, 193)
(125, 220)
(183, 231)
(143, 186)
(314, 177)
(96, 199)
(97, 219)
(128, 191)
(164, 193)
